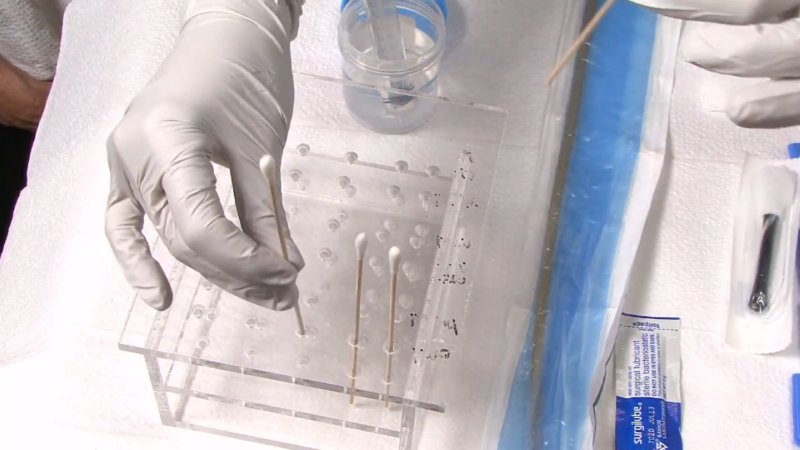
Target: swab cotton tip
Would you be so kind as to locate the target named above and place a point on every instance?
(361, 245)
(394, 259)
(269, 167)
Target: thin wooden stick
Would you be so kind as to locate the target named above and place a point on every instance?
(394, 261)
(269, 169)
(356, 340)
(590, 27)
(361, 248)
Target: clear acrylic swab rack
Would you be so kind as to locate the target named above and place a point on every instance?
(222, 365)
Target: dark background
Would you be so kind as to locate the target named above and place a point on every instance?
(15, 149)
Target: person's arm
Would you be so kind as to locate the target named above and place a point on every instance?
(22, 98)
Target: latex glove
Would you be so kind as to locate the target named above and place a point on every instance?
(224, 94)
(746, 38)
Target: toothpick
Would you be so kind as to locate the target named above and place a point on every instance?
(361, 250)
(394, 263)
(270, 170)
(590, 27)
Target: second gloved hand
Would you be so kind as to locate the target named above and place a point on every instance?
(746, 38)
(225, 95)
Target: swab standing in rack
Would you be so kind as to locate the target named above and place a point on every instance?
(270, 170)
(394, 263)
(361, 250)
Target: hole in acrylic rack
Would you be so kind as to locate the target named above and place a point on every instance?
(395, 351)
(334, 225)
(351, 157)
(303, 149)
(406, 301)
(212, 315)
(362, 341)
(364, 312)
(311, 300)
(349, 373)
(327, 256)
(411, 271)
(383, 236)
(377, 265)
(399, 200)
(199, 311)
(372, 296)
(310, 332)
(303, 184)
(203, 344)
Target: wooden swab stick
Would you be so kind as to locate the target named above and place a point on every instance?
(270, 170)
(590, 27)
(361, 249)
(394, 263)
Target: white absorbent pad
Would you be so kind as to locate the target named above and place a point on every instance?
(30, 31)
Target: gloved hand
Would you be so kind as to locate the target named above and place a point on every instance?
(746, 38)
(224, 94)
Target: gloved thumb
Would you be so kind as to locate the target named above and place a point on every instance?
(768, 50)
(124, 221)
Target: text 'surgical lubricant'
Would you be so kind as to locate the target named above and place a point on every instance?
(648, 367)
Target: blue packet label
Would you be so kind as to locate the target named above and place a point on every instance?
(647, 361)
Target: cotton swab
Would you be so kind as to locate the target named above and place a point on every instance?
(270, 170)
(394, 263)
(361, 250)
(590, 27)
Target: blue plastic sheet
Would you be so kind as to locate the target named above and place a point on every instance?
(602, 165)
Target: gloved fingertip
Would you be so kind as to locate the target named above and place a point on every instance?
(286, 297)
(289, 275)
(157, 297)
(295, 257)
(754, 113)
(697, 50)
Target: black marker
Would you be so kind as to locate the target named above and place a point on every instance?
(759, 299)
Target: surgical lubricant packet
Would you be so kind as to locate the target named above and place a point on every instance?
(648, 366)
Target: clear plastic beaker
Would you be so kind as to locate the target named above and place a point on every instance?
(380, 104)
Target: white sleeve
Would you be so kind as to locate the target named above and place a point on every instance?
(30, 31)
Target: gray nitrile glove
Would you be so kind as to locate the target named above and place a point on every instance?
(746, 38)
(224, 94)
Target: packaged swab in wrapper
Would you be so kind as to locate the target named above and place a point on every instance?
(648, 368)
(761, 313)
